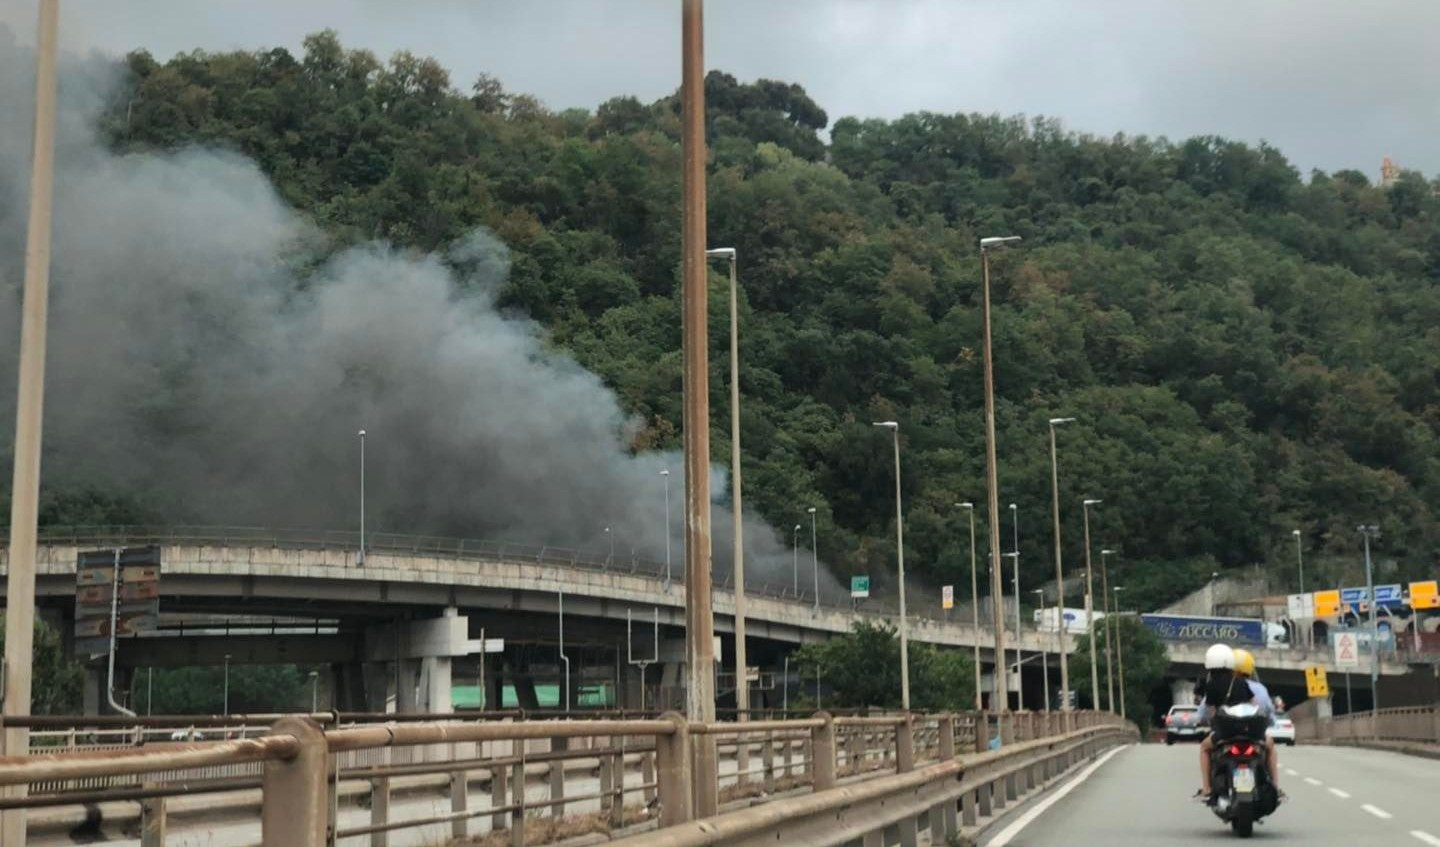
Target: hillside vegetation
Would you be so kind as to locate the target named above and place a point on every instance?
(1247, 349)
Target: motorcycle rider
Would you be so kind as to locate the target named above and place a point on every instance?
(1245, 666)
(1220, 686)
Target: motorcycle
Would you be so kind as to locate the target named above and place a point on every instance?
(1243, 793)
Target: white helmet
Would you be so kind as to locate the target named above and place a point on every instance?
(1219, 657)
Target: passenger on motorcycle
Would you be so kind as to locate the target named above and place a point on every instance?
(1245, 666)
(1221, 686)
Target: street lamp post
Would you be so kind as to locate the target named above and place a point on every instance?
(1090, 608)
(29, 418)
(314, 692)
(1367, 532)
(1299, 558)
(1120, 649)
(814, 558)
(894, 428)
(1014, 558)
(795, 564)
(1044, 656)
(1105, 588)
(360, 559)
(665, 473)
(226, 695)
(974, 599)
(1059, 574)
(742, 688)
(1015, 566)
(992, 478)
(610, 536)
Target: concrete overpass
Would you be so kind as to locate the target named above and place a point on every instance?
(407, 584)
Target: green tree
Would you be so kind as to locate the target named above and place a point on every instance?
(1144, 660)
(57, 680)
(201, 690)
(862, 669)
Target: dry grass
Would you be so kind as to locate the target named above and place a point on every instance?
(548, 830)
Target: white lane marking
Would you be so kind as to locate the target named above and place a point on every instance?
(1009, 832)
(1341, 794)
(1313, 781)
(1292, 772)
(1426, 837)
(1377, 812)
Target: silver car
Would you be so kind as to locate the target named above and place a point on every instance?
(1282, 729)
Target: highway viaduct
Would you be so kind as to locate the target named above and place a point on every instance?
(416, 609)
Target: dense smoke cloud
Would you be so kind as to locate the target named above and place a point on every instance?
(200, 358)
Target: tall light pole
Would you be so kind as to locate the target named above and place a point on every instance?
(699, 615)
(1105, 588)
(894, 428)
(1059, 573)
(360, 559)
(1044, 656)
(29, 414)
(314, 692)
(1019, 677)
(742, 689)
(814, 558)
(665, 474)
(1090, 608)
(974, 599)
(992, 478)
(610, 536)
(1367, 532)
(1299, 558)
(1015, 569)
(1120, 649)
(226, 694)
(795, 564)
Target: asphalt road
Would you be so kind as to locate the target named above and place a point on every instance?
(1337, 795)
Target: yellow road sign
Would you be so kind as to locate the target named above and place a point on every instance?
(1423, 595)
(1316, 683)
(1327, 603)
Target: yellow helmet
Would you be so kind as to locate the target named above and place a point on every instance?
(1244, 662)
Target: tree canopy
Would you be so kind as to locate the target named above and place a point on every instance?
(861, 669)
(1246, 350)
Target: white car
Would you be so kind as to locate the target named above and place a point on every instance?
(1282, 729)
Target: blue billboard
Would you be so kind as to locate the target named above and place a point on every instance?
(1194, 628)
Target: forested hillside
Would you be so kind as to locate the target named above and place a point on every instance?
(1247, 349)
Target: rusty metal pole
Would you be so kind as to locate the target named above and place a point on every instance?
(699, 617)
(1061, 642)
(1090, 610)
(1000, 696)
(29, 407)
(294, 797)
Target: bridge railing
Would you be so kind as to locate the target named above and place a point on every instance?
(315, 784)
(466, 549)
(1419, 724)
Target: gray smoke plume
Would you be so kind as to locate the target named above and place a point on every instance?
(199, 356)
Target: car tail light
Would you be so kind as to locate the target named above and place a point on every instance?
(1237, 750)
(1169, 719)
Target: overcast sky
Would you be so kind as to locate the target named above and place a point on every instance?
(1333, 83)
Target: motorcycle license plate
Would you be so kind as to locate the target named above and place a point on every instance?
(1244, 780)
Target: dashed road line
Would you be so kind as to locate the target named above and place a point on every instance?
(1426, 837)
(1377, 812)
(1341, 794)
(1291, 772)
(1313, 781)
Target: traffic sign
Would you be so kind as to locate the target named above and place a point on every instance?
(1316, 683)
(1327, 603)
(860, 586)
(1389, 596)
(1355, 599)
(1424, 595)
(947, 597)
(1301, 606)
(1347, 650)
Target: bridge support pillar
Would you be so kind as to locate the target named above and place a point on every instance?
(406, 701)
(1182, 692)
(436, 685)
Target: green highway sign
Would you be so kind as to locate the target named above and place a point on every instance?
(860, 586)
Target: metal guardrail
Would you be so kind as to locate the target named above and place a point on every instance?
(1420, 724)
(303, 771)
